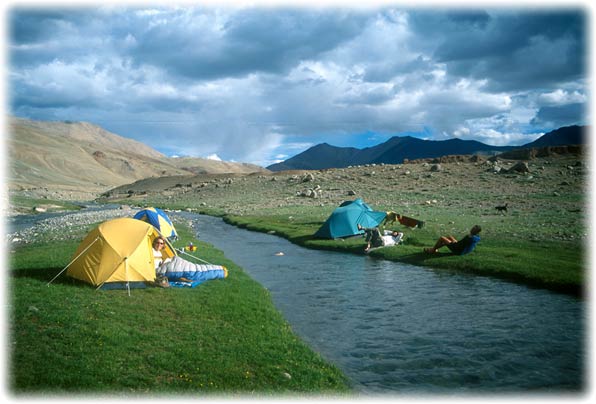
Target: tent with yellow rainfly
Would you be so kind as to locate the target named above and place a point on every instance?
(117, 254)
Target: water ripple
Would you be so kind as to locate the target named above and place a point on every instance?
(397, 328)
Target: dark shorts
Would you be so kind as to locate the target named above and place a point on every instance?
(457, 248)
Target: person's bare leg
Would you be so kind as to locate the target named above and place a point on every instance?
(441, 242)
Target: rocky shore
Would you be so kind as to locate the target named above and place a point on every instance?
(64, 227)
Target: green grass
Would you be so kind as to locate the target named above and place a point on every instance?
(27, 204)
(224, 337)
(555, 265)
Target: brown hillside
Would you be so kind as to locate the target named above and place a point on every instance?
(80, 160)
(197, 165)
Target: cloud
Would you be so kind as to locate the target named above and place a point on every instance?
(250, 84)
(511, 50)
(212, 44)
(497, 138)
(213, 157)
(557, 116)
(562, 97)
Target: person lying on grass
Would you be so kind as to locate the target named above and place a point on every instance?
(375, 239)
(464, 246)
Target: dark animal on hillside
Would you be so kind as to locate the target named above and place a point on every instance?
(502, 208)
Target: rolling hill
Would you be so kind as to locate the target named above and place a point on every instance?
(78, 157)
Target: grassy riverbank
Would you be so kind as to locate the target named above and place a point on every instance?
(553, 265)
(223, 338)
(539, 241)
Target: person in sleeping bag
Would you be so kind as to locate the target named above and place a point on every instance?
(158, 245)
(186, 273)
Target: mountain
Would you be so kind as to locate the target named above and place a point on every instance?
(399, 148)
(567, 135)
(79, 157)
(318, 157)
(393, 151)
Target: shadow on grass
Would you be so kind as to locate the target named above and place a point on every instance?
(53, 276)
(46, 275)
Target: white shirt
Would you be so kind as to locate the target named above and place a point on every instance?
(157, 258)
(389, 240)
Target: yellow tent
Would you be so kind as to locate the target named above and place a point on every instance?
(117, 253)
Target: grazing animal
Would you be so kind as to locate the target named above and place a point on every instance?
(391, 218)
(502, 208)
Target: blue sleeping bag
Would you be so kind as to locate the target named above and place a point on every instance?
(183, 273)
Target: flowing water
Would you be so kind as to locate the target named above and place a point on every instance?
(395, 328)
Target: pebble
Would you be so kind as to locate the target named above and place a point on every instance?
(59, 227)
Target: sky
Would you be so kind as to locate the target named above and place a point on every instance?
(261, 83)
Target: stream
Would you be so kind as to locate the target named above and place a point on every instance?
(398, 328)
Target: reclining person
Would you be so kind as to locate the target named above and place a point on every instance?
(178, 270)
(374, 238)
(181, 270)
(461, 247)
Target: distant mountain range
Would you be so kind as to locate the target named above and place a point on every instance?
(62, 158)
(397, 149)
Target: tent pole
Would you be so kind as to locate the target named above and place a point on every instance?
(126, 274)
(74, 259)
(182, 250)
(115, 268)
(197, 258)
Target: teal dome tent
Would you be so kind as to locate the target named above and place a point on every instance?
(344, 220)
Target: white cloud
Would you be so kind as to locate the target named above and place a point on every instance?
(485, 133)
(213, 156)
(257, 85)
(562, 97)
(496, 138)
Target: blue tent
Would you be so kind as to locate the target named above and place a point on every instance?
(159, 220)
(344, 220)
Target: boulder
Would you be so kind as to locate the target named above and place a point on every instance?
(520, 167)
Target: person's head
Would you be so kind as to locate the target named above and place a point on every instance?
(159, 242)
(475, 230)
(395, 233)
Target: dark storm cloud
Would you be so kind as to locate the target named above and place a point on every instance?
(33, 26)
(252, 40)
(509, 49)
(558, 116)
(42, 35)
